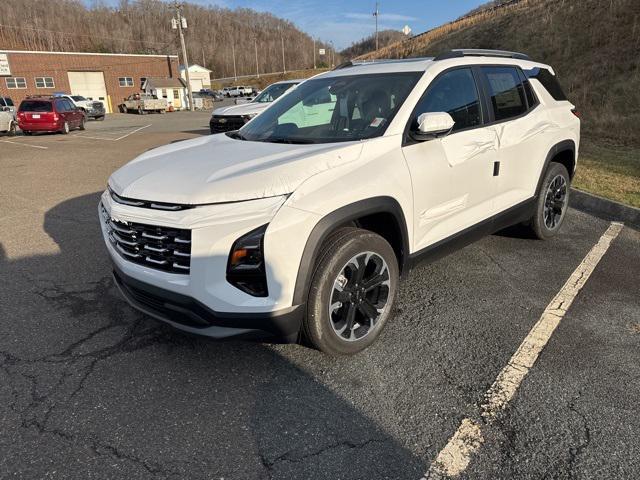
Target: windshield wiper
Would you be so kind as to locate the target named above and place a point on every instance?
(300, 141)
(236, 134)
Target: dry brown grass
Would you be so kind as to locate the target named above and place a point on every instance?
(266, 80)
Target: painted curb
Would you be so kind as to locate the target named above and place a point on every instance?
(604, 208)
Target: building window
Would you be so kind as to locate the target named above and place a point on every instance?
(176, 94)
(44, 82)
(125, 81)
(16, 82)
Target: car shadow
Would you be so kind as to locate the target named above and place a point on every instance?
(103, 391)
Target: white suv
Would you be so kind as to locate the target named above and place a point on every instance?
(300, 224)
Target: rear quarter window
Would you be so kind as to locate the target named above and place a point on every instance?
(506, 91)
(548, 81)
(35, 106)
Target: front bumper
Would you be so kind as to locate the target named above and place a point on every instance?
(190, 315)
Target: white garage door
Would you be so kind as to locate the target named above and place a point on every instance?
(197, 84)
(90, 85)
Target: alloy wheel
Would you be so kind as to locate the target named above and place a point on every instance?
(359, 296)
(555, 202)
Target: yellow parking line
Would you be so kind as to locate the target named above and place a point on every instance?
(454, 458)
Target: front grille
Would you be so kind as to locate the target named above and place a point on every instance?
(226, 123)
(163, 248)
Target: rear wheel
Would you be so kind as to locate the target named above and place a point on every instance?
(12, 130)
(352, 292)
(553, 202)
(81, 126)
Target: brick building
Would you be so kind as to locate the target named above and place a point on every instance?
(107, 77)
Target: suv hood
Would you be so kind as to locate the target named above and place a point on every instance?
(216, 169)
(242, 109)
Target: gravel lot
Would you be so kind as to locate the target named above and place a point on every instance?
(91, 389)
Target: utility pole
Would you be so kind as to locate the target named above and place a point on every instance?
(284, 66)
(181, 22)
(255, 42)
(332, 51)
(376, 14)
(233, 53)
(314, 53)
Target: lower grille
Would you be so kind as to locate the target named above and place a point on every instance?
(225, 123)
(163, 248)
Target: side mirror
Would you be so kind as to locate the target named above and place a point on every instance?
(433, 124)
(5, 109)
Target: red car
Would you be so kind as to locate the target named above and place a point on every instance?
(49, 114)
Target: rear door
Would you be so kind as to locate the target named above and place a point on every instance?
(522, 131)
(452, 176)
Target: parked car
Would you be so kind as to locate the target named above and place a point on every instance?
(91, 108)
(237, 91)
(214, 94)
(225, 119)
(142, 103)
(301, 223)
(8, 124)
(49, 114)
(7, 102)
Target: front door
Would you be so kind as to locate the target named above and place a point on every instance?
(453, 182)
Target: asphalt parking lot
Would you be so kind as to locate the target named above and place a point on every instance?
(91, 389)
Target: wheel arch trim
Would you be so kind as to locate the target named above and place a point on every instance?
(563, 146)
(331, 221)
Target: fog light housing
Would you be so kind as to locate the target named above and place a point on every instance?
(245, 266)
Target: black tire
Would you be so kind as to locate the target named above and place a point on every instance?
(320, 327)
(141, 111)
(81, 126)
(65, 128)
(553, 202)
(100, 119)
(12, 130)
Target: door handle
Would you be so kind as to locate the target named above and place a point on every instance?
(496, 168)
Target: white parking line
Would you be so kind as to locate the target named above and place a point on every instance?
(24, 144)
(454, 458)
(132, 132)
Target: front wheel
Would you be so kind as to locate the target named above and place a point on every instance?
(352, 292)
(12, 130)
(65, 128)
(553, 202)
(81, 126)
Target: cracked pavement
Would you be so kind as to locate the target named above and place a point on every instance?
(91, 389)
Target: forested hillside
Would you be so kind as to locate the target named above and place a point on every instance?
(144, 26)
(594, 47)
(368, 44)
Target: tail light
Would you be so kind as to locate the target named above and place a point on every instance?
(576, 112)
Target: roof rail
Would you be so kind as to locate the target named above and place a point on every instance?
(478, 52)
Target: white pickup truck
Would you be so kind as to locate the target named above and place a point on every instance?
(91, 108)
(237, 91)
(143, 103)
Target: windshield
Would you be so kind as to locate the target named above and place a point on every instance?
(333, 109)
(273, 92)
(78, 98)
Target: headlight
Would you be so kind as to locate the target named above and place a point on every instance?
(245, 267)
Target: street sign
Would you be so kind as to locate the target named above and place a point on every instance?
(322, 51)
(406, 30)
(5, 69)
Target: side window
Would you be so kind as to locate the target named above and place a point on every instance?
(548, 81)
(60, 105)
(69, 106)
(454, 92)
(506, 92)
